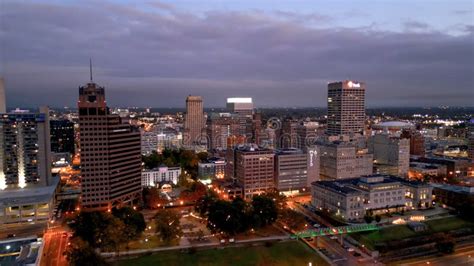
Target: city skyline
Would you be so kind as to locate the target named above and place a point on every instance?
(155, 54)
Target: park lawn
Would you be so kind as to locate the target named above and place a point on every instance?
(396, 232)
(399, 232)
(448, 224)
(279, 254)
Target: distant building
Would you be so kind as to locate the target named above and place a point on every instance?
(240, 105)
(339, 160)
(153, 177)
(149, 142)
(25, 149)
(213, 168)
(417, 142)
(289, 135)
(110, 154)
(391, 154)
(392, 127)
(62, 136)
(470, 139)
(308, 133)
(351, 198)
(221, 128)
(194, 122)
(346, 108)
(3, 104)
(254, 169)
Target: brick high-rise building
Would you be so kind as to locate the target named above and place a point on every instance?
(289, 135)
(346, 108)
(254, 169)
(221, 128)
(110, 153)
(194, 122)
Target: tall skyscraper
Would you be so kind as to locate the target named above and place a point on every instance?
(3, 105)
(25, 151)
(194, 122)
(470, 139)
(346, 107)
(110, 153)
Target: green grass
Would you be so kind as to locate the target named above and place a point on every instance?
(279, 254)
(399, 232)
(386, 234)
(448, 224)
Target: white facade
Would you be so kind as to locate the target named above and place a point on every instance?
(151, 178)
(351, 198)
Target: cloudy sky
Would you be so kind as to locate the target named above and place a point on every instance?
(281, 53)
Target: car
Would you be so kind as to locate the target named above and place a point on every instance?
(222, 241)
(65, 234)
(231, 240)
(350, 250)
(333, 237)
(316, 225)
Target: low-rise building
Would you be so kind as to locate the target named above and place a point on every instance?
(352, 198)
(213, 168)
(153, 177)
(31, 204)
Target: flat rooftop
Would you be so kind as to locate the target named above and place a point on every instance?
(18, 196)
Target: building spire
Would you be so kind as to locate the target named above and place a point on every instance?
(90, 66)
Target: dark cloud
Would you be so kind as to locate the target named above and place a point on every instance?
(155, 57)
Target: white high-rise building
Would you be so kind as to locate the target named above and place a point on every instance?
(240, 105)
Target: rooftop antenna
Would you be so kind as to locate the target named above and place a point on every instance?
(90, 66)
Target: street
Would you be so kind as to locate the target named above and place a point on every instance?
(55, 244)
(463, 256)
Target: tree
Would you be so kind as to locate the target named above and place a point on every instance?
(168, 225)
(293, 219)
(264, 210)
(279, 199)
(377, 218)
(99, 230)
(152, 199)
(368, 217)
(80, 253)
(133, 220)
(203, 204)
